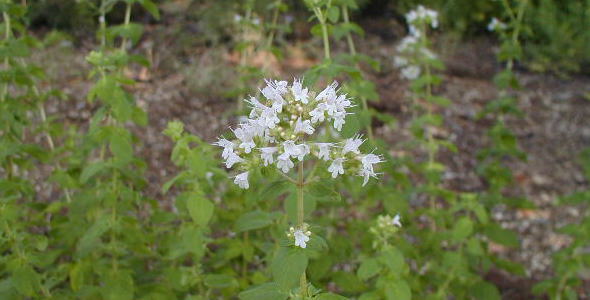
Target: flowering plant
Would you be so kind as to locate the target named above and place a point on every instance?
(281, 130)
(413, 49)
(289, 125)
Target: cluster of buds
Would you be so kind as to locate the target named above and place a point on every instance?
(496, 25)
(282, 127)
(300, 235)
(386, 227)
(412, 49)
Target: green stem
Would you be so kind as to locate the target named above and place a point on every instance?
(50, 139)
(275, 18)
(429, 137)
(126, 24)
(517, 21)
(300, 219)
(244, 262)
(245, 53)
(300, 183)
(324, 27)
(348, 35)
(7, 35)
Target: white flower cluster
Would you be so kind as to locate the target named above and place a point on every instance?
(496, 25)
(386, 228)
(387, 221)
(412, 48)
(280, 126)
(300, 235)
(421, 15)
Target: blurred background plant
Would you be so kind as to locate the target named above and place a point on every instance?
(554, 31)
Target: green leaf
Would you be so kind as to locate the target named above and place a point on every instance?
(265, 291)
(130, 31)
(393, 259)
(200, 209)
(76, 275)
(253, 220)
(330, 296)
(118, 285)
(485, 291)
(91, 237)
(368, 268)
(120, 146)
(398, 290)
(273, 191)
(287, 267)
(220, 281)
(333, 14)
(348, 282)
(91, 170)
(188, 240)
(462, 229)
(151, 7)
(25, 280)
(501, 236)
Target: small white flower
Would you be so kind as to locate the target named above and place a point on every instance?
(386, 221)
(267, 154)
(284, 162)
(328, 93)
(304, 126)
(303, 151)
(367, 171)
(496, 24)
(232, 159)
(406, 43)
(366, 174)
(339, 121)
(428, 54)
(268, 118)
(336, 167)
(228, 147)
(396, 221)
(318, 113)
(274, 91)
(301, 238)
(399, 61)
(411, 72)
(245, 134)
(324, 150)
(414, 32)
(299, 93)
(242, 180)
(411, 16)
(290, 148)
(281, 86)
(369, 160)
(352, 145)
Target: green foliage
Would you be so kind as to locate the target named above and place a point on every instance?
(557, 38)
(570, 263)
(101, 237)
